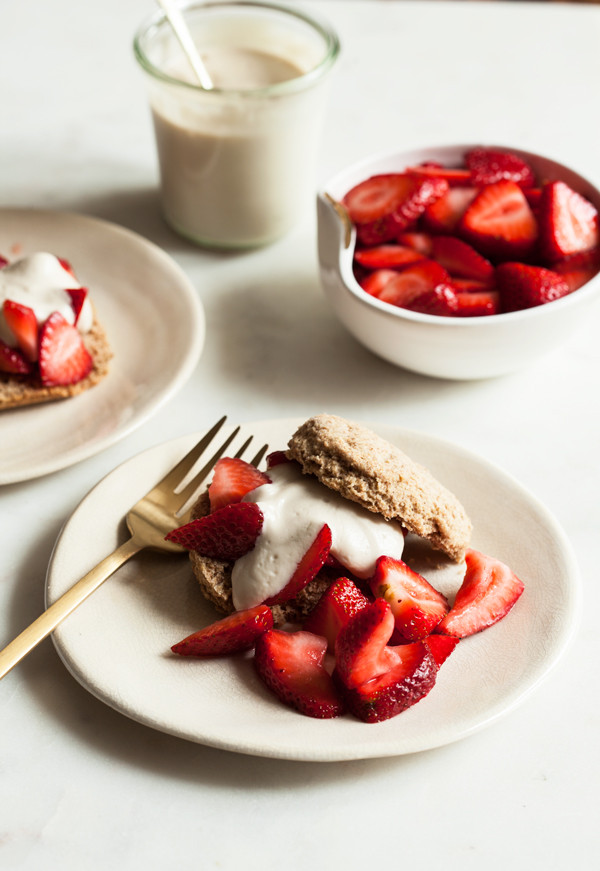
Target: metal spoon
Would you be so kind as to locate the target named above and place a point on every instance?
(182, 33)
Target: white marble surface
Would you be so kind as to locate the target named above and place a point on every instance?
(83, 787)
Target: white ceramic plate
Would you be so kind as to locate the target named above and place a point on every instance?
(155, 325)
(117, 643)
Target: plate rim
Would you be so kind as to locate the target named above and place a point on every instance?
(362, 750)
(188, 363)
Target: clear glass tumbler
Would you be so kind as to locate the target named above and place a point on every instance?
(237, 162)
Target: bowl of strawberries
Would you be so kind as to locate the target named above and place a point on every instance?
(460, 262)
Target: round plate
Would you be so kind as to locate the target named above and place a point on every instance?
(142, 299)
(117, 644)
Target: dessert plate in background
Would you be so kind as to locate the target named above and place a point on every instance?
(117, 644)
(143, 299)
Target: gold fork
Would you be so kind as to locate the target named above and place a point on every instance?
(162, 509)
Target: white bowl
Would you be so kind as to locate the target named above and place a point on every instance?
(443, 347)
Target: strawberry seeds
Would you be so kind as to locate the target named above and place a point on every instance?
(485, 238)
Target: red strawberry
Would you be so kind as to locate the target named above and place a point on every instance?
(277, 458)
(488, 592)
(341, 601)
(441, 646)
(232, 479)
(3, 262)
(489, 166)
(62, 356)
(460, 259)
(12, 361)
(568, 222)
(386, 256)
(421, 242)
(499, 222)
(459, 176)
(78, 296)
(474, 304)
(403, 287)
(396, 689)
(416, 605)
(361, 650)
(440, 301)
(226, 534)
(291, 665)
(385, 205)
(443, 215)
(234, 633)
(23, 324)
(522, 286)
(306, 569)
(575, 271)
(66, 265)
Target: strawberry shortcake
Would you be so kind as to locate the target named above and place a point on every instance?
(51, 343)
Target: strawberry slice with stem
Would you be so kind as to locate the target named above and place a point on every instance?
(226, 534)
(291, 666)
(396, 689)
(307, 568)
(416, 605)
(568, 222)
(361, 650)
(23, 324)
(236, 632)
(232, 479)
(488, 592)
(499, 222)
(341, 601)
(63, 358)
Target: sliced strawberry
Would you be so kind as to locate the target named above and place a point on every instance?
(568, 222)
(234, 633)
(226, 534)
(441, 646)
(232, 479)
(499, 222)
(392, 692)
(443, 215)
(475, 304)
(534, 196)
(66, 265)
(3, 262)
(78, 296)
(578, 269)
(361, 650)
(12, 361)
(23, 324)
(307, 568)
(291, 665)
(489, 166)
(470, 285)
(376, 281)
(341, 601)
(522, 286)
(386, 205)
(403, 287)
(386, 256)
(441, 302)
(62, 356)
(421, 242)
(461, 259)
(453, 176)
(416, 605)
(277, 458)
(488, 592)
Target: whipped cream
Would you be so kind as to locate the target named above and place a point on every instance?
(295, 507)
(41, 282)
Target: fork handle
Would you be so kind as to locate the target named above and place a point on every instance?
(56, 613)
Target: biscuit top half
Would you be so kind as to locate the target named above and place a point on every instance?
(367, 469)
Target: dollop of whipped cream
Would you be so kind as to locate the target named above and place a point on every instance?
(295, 507)
(41, 282)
